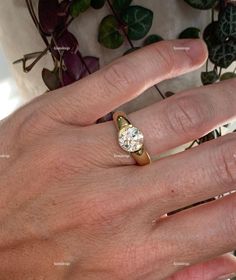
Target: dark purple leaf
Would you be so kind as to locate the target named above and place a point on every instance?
(64, 43)
(63, 12)
(92, 65)
(51, 79)
(73, 65)
(48, 18)
(67, 79)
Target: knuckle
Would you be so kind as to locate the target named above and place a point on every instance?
(62, 161)
(35, 124)
(186, 114)
(225, 162)
(165, 57)
(119, 76)
(101, 219)
(28, 125)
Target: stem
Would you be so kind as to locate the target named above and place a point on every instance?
(27, 57)
(35, 20)
(212, 14)
(191, 145)
(161, 94)
(60, 71)
(207, 64)
(121, 23)
(82, 59)
(128, 39)
(29, 68)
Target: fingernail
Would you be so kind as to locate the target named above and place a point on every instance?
(226, 277)
(196, 49)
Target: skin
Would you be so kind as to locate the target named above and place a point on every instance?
(66, 198)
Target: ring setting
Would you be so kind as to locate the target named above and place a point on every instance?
(131, 139)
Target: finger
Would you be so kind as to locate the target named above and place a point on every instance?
(172, 122)
(187, 178)
(91, 98)
(220, 268)
(197, 234)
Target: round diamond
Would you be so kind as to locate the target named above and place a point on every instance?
(130, 139)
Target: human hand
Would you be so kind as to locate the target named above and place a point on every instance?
(66, 198)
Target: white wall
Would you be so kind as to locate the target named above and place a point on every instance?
(10, 99)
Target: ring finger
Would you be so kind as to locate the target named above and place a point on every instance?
(170, 123)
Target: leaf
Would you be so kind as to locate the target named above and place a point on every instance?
(139, 21)
(65, 43)
(227, 76)
(227, 23)
(209, 77)
(202, 4)
(121, 5)
(97, 4)
(73, 64)
(109, 34)
(67, 79)
(51, 79)
(63, 12)
(190, 33)
(79, 6)
(92, 64)
(131, 50)
(210, 35)
(152, 39)
(48, 18)
(223, 54)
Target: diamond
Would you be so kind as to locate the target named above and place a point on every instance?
(130, 138)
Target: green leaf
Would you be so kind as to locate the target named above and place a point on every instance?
(227, 76)
(223, 54)
(98, 4)
(139, 21)
(202, 4)
(190, 33)
(152, 39)
(51, 79)
(131, 50)
(121, 5)
(109, 34)
(79, 6)
(210, 35)
(209, 77)
(227, 23)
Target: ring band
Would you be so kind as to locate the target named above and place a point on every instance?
(131, 139)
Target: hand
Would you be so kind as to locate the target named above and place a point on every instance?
(71, 209)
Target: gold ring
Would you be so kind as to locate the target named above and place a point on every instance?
(131, 139)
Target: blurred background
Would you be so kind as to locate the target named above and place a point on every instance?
(9, 97)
